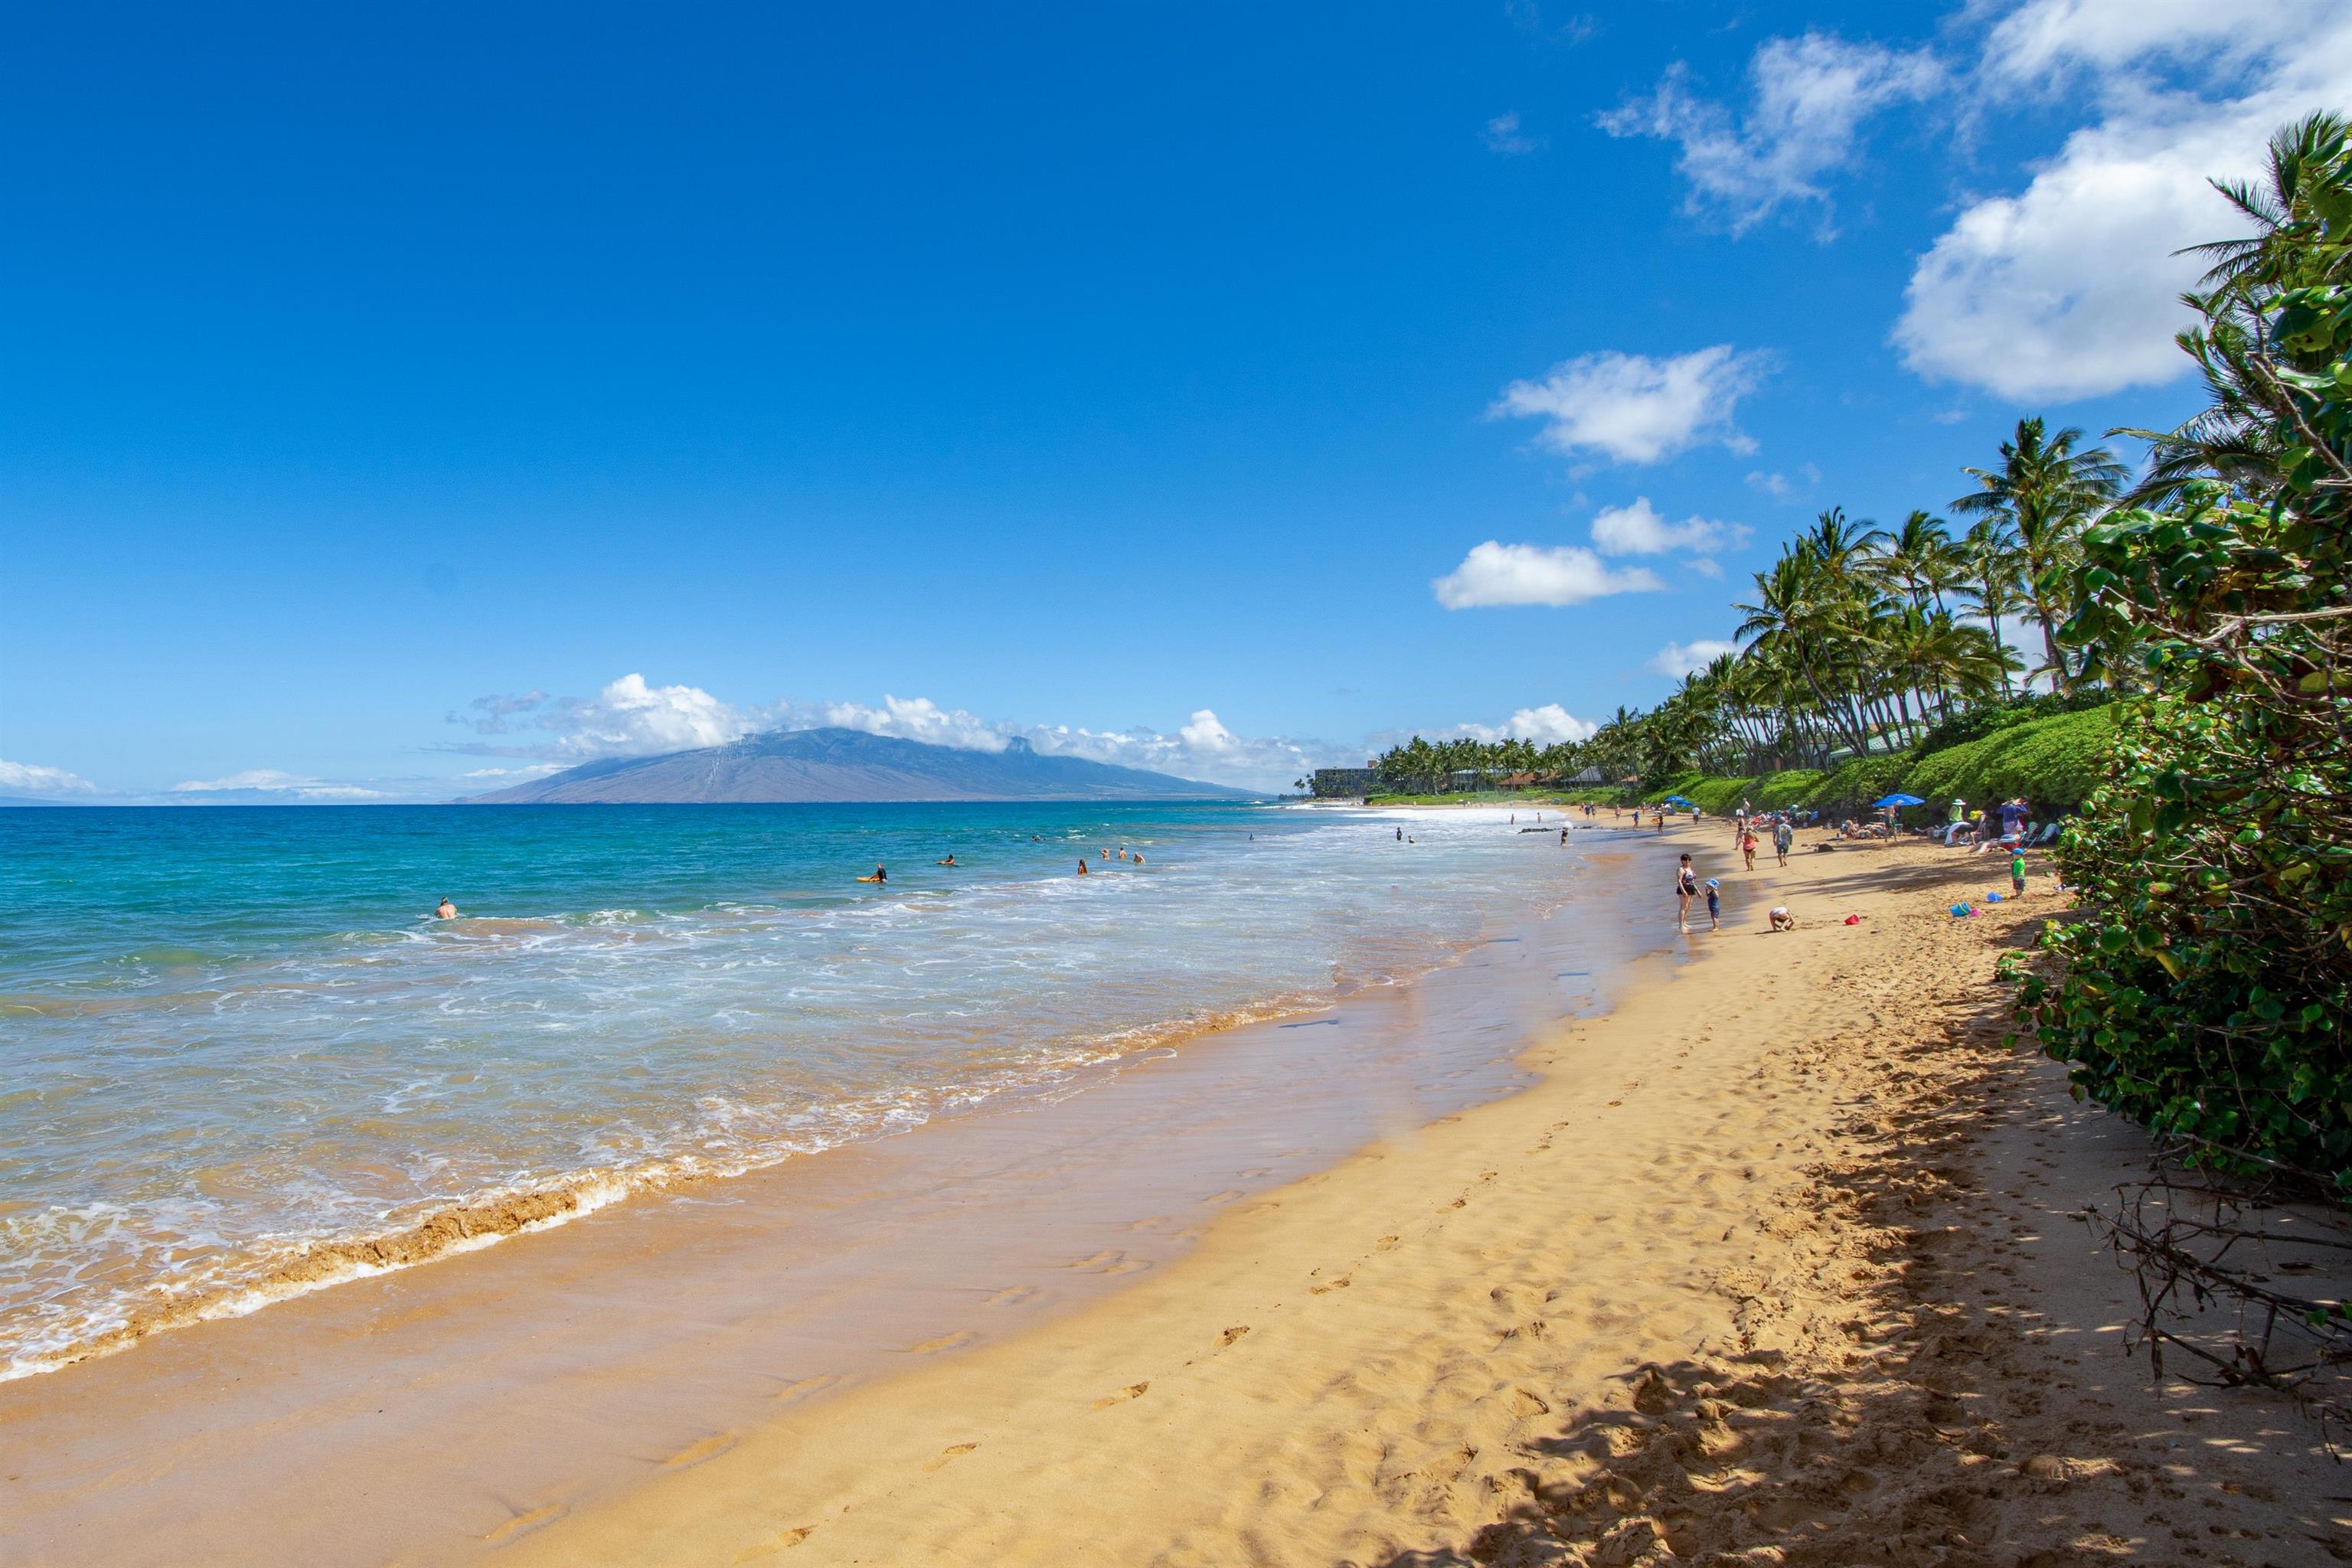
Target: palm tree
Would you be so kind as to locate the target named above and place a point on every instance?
(1996, 576)
(2045, 490)
(2238, 437)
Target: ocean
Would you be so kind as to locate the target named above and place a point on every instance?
(239, 1058)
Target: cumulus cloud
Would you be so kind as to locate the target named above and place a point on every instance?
(1640, 529)
(1636, 409)
(1504, 136)
(32, 778)
(1548, 725)
(2070, 288)
(1680, 659)
(273, 784)
(1497, 574)
(1808, 98)
(911, 718)
(629, 718)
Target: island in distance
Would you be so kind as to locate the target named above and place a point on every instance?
(794, 765)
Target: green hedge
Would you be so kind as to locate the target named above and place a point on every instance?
(2054, 762)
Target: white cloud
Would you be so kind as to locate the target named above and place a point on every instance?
(1504, 136)
(32, 778)
(628, 719)
(2069, 289)
(1496, 573)
(1776, 486)
(1637, 409)
(1204, 733)
(917, 719)
(1680, 659)
(1807, 100)
(1547, 725)
(273, 782)
(1639, 529)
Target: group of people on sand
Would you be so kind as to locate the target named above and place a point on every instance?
(1746, 828)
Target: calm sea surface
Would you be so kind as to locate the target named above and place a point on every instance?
(227, 1035)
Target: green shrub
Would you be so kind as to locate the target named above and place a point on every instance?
(1856, 783)
(2054, 762)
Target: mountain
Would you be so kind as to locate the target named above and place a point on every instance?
(848, 765)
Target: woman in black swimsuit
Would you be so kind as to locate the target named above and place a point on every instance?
(1685, 888)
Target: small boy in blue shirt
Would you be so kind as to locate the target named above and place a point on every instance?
(1714, 904)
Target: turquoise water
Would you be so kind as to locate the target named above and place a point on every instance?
(228, 1036)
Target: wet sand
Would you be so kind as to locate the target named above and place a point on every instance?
(563, 1370)
(1771, 1267)
(1769, 1264)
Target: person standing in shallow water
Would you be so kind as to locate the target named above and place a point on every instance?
(1685, 888)
(444, 910)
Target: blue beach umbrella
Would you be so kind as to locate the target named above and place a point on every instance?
(1896, 800)
(1676, 800)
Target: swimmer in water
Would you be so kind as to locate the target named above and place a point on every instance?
(1137, 858)
(949, 861)
(445, 910)
(1082, 865)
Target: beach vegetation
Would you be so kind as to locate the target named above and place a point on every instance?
(2204, 990)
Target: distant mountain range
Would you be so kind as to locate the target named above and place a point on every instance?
(848, 765)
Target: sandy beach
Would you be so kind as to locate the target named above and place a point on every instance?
(1776, 1263)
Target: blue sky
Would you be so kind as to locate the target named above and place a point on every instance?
(391, 397)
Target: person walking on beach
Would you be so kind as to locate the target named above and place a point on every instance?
(1747, 847)
(1783, 837)
(444, 910)
(2017, 872)
(1685, 888)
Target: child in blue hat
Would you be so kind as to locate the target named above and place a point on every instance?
(1714, 903)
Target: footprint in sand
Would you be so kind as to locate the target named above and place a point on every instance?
(951, 1452)
(1110, 1262)
(1384, 1243)
(523, 1524)
(776, 1543)
(1132, 1391)
(693, 1453)
(1341, 1283)
(1012, 1295)
(956, 1341)
(806, 1386)
(1236, 1331)
(1228, 1195)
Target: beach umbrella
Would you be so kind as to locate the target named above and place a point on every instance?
(1897, 800)
(1676, 800)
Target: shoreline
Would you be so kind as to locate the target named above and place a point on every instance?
(631, 1328)
(1771, 1265)
(416, 1233)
